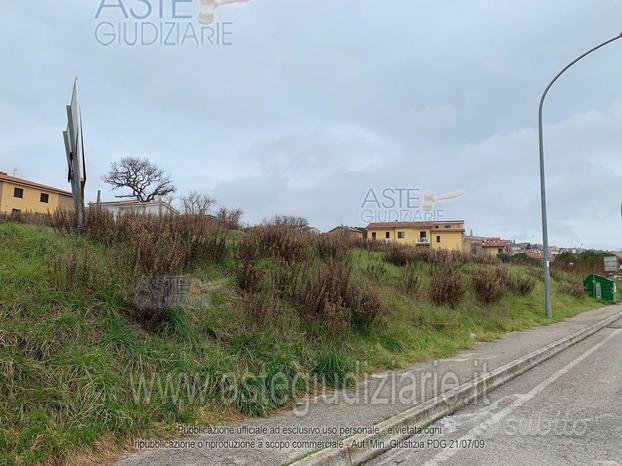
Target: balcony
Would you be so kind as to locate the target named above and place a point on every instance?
(423, 241)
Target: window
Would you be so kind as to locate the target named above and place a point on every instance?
(423, 235)
(373, 235)
(401, 234)
(447, 226)
(387, 235)
(438, 239)
(16, 211)
(45, 198)
(18, 192)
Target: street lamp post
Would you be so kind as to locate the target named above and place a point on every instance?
(545, 234)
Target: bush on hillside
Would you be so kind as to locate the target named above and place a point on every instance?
(409, 280)
(324, 294)
(521, 286)
(574, 289)
(284, 242)
(447, 286)
(490, 284)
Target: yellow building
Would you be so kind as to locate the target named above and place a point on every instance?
(17, 196)
(447, 235)
(492, 247)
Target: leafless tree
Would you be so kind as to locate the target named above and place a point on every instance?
(146, 181)
(197, 203)
(291, 221)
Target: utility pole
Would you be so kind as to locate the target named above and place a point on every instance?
(545, 234)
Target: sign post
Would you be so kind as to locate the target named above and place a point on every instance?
(611, 264)
(74, 148)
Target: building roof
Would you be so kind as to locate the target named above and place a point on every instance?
(31, 184)
(381, 225)
(495, 243)
(435, 226)
(132, 202)
(342, 227)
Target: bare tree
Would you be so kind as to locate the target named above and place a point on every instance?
(197, 203)
(290, 221)
(142, 177)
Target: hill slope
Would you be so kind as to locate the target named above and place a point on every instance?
(80, 369)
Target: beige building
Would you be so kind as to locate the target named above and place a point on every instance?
(346, 232)
(492, 247)
(447, 235)
(23, 196)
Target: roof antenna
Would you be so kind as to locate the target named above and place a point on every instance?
(15, 170)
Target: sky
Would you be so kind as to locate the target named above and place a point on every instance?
(305, 107)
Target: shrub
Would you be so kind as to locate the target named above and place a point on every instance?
(248, 278)
(261, 307)
(447, 286)
(376, 271)
(490, 284)
(409, 280)
(399, 255)
(573, 289)
(366, 307)
(154, 245)
(248, 249)
(332, 247)
(280, 241)
(325, 296)
(520, 285)
(229, 219)
(524, 259)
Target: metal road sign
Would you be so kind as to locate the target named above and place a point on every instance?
(611, 264)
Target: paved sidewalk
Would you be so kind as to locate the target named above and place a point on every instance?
(375, 399)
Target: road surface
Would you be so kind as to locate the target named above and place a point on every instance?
(567, 411)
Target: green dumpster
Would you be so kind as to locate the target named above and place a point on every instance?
(600, 288)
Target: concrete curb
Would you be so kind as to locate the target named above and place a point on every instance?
(361, 448)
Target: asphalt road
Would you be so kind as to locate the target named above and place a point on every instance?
(567, 411)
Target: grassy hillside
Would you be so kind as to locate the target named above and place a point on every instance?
(78, 355)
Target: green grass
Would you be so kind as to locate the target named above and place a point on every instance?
(76, 369)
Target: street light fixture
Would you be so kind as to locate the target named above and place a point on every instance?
(545, 235)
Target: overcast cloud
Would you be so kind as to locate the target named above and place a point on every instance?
(317, 102)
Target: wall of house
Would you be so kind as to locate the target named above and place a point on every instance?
(451, 240)
(492, 252)
(411, 235)
(31, 202)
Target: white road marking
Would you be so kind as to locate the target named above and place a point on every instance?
(522, 399)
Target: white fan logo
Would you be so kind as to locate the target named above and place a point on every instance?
(430, 200)
(207, 9)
